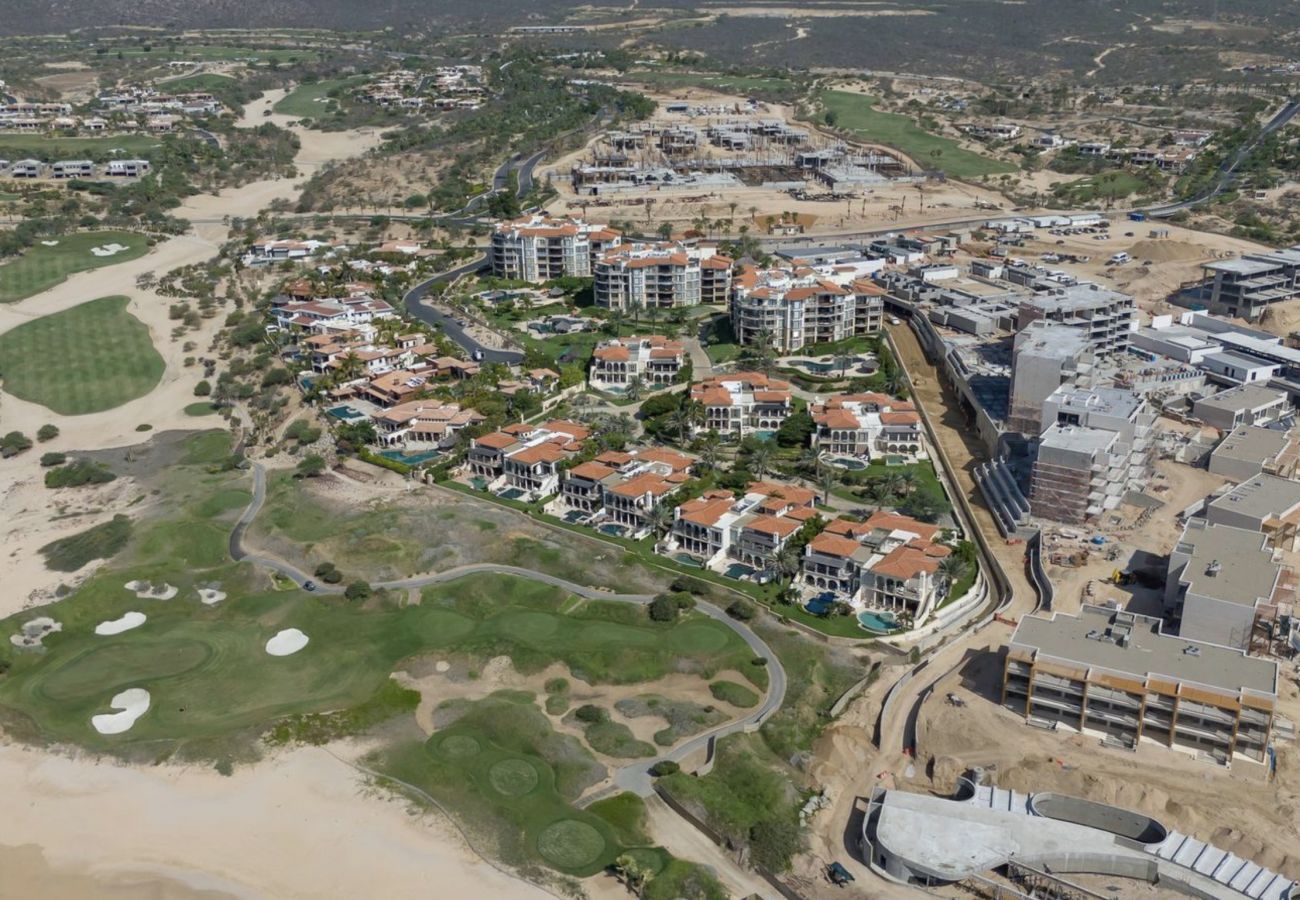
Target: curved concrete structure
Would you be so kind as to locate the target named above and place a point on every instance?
(1122, 822)
(923, 840)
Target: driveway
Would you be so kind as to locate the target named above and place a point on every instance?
(429, 315)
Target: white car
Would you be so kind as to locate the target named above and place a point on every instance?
(895, 320)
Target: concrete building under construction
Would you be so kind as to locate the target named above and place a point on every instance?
(1095, 448)
(1116, 674)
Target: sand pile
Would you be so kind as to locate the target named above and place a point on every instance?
(148, 591)
(125, 623)
(32, 633)
(131, 704)
(286, 643)
(1169, 251)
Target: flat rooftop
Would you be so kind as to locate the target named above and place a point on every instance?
(1260, 497)
(1242, 266)
(1077, 438)
(1076, 298)
(1107, 401)
(1051, 341)
(1245, 572)
(1245, 396)
(1250, 442)
(1146, 652)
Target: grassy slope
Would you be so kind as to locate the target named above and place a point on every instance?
(41, 268)
(86, 359)
(53, 148)
(309, 100)
(856, 113)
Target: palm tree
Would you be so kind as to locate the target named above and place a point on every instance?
(635, 388)
(952, 569)
(895, 383)
(710, 449)
(909, 480)
(350, 366)
(826, 483)
(690, 413)
(787, 561)
(760, 459)
(660, 519)
(895, 484)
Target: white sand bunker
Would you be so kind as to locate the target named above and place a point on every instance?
(211, 596)
(125, 623)
(286, 642)
(32, 633)
(131, 705)
(108, 249)
(49, 243)
(442, 666)
(146, 590)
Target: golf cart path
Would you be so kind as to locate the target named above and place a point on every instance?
(633, 777)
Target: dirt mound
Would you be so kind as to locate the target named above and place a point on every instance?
(1169, 251)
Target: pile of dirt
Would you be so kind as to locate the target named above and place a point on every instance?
(1169, 251)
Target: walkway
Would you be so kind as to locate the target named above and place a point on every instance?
(633, 777)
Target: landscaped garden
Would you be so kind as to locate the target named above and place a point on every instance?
(51, 261)
(86, 359)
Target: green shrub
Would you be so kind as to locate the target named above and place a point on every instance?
(53, 459)
(47, 433)
(13, 443)
(663, 609)
(591, 714)
(78, 473)
(357, 590)
(101, 542)
(203, 389)
(741, 610)
(664, 767)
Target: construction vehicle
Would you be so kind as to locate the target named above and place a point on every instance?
(838, 874)
(1118, 577)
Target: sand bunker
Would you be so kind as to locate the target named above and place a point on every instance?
(125, 623)
(108, 249)
(442, 665)
(211, 596)
(131, 705)
(148, 591)
(49, 243)
(32, 633)
(286, 642)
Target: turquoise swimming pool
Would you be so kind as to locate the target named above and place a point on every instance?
(346, 414)
(878, 622)
(410, 459)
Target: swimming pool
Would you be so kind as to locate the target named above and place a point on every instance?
(612, 528)
(739, 571)
(346, 414)
(410, 459)
(765, 435)
(574, 516)
(878, 622)
(478, 483)
(847, 462)
(819, 606)
(512, 493)
(686, 559)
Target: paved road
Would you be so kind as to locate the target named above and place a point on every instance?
(448, 324)
(632, 777)
(1227, 174)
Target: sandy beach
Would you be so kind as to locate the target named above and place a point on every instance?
(299, 825)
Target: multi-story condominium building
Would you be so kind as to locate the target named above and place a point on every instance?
(742, 403)
(621, 488)
(1105, 316)
(741, 537)
(1095, 448)
(798, 307)
(1223, 585)
(1246, 404)
(1045, 356)
(1250, 450)
(522, 461)
(1115, 674)
(653, 359)
(539, 248)
(1243, 288)
(867, 426)
(890, 562)
(660, 276)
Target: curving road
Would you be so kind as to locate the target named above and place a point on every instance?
(1227, 174)
(415, 306)
(633, 777)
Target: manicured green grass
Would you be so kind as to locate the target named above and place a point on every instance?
(311, 101)
(1103, 186)
(49, 148)
(86, 359)
(202, 408)
(41, 268)
(201, 82)
(721, 353)
(510, 778)
(857, 113)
